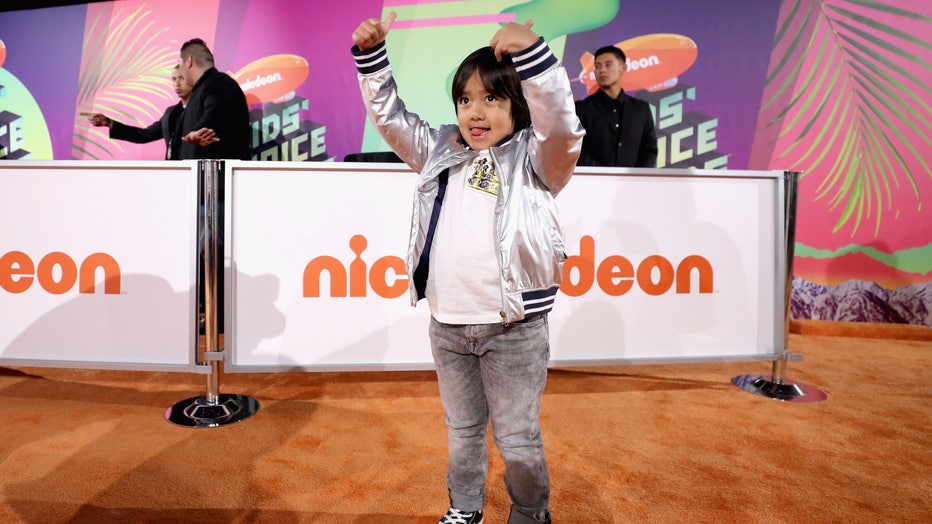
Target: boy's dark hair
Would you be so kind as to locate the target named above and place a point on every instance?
(613, 50)
(499, 78)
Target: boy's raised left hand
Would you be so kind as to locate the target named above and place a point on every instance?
(513, 37)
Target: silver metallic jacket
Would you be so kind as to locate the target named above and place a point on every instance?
(534, 164)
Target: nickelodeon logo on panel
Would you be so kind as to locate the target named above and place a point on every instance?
(57, 273)
(615, 275)
(272, 79)
(654, 62)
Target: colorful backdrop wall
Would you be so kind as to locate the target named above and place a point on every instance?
(838, 90)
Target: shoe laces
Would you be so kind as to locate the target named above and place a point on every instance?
(455, 516)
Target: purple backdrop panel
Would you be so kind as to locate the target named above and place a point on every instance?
(328, 99)
(733, 38)
(45, 44)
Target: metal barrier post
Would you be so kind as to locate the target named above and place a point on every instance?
(776, 386)
(211, 409)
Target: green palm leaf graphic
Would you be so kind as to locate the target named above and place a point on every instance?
(855, 91)
(123, 75)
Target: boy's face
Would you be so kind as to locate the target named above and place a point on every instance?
(484, 118)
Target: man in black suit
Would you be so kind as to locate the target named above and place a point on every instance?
(162, 129)
(619, 128)
(215, 124)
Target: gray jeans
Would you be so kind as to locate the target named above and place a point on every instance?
(494, 372)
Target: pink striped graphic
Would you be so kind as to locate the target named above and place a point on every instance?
(454, 20)
(396, 3)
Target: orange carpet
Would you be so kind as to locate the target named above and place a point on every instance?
(666, 444)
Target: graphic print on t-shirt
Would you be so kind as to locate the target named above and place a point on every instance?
(483, 177)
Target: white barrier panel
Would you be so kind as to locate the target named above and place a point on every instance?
(97, 264)
(664, 266)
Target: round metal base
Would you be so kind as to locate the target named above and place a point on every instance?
(788, 390)
(198, 412)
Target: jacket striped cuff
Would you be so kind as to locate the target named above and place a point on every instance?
(372, 59)
(534, 60)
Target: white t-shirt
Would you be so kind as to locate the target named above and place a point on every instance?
(463, 285)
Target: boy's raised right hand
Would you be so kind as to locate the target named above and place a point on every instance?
(372, 31)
